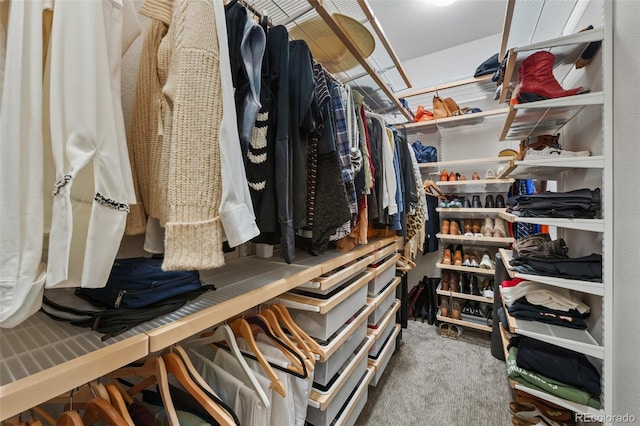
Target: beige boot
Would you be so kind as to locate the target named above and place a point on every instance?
(499, 228)
(487, 229)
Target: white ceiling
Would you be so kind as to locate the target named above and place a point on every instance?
(417, 27)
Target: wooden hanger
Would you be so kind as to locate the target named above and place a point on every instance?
(153, 371)
(100, 410)
(223, 333)
(272, 319)
(70, 418)
(44, 414)
(176, 367)
(260, 324)
(241, 328)
(430, 188)
(302, 344)
(293, 328)
(117, 400)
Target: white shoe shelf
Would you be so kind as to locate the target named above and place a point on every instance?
(593, 225)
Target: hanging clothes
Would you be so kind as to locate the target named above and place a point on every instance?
(236, 208)
(303, 112)
(21, 163)
(92, 191)
(330, 202)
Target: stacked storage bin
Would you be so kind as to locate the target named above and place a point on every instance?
(334, 310)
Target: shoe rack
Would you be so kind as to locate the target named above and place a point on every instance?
(458, 303)
(584, 123)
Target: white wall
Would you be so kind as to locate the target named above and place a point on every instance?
(626, 301)
(453, 64)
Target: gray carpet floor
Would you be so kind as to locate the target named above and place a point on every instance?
(433, 380)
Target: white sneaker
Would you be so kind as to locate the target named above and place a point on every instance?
(549, 151)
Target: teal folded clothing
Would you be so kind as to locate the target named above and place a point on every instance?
(545, 384)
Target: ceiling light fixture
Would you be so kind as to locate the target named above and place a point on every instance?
(441, 2)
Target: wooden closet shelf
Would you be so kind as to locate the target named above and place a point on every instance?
(43, 358)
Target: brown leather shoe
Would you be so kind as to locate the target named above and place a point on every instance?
(475, 176)
(452, 176)
(454, 228)
(445, 228)
(446, 257)
(457, 258)
(453, 282)
(444, 175)
(456, 309)
(444, 281)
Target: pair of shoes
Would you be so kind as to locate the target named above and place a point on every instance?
(488, 202)
(475, 203)
(470, 259)
(494, 227)
(528, 410)
(444, 175)
(475, 176)
(452, 331)
(450, 227)
(472, 228)
(487, 262)
(552, 152)
(486, 287)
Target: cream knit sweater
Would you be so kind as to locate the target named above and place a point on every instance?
(177, 159)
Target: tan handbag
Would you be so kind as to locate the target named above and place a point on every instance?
(443, 108)
(440, 109)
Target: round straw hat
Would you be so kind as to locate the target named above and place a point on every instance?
(327, 48)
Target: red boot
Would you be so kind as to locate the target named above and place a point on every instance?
(536, 79)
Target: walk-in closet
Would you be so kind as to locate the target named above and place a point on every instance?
(319, 212)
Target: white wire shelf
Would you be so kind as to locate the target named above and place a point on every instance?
(589, 287)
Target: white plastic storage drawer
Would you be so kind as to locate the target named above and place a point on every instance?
(326, 282)
(383, 329)
(383, 272)
(383, 302)
(380, 363)
(324, 371)
(350, 412)
(324, 406)
(321, 316)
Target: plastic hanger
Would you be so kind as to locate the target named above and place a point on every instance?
(224, 334)
(154, 371)
(293, 328)
(118, 402)
(241, 327)
(100, 410)
(259, 323)
(272, 320)
(176, 367)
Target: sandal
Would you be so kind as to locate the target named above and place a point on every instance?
(444, 329)
(529, 410)
(455, 331)
(444, 308)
